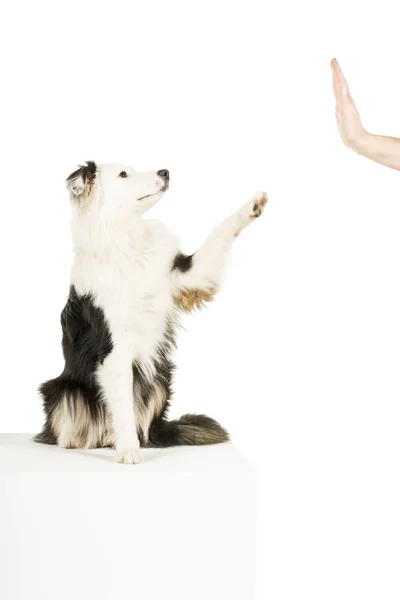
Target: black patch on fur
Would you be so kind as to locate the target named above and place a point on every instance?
(86, 342)
(183, 262)
(87, 172)
(86, 336)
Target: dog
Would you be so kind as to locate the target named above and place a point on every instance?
(129, 284)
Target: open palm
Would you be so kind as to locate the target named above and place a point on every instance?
(347, 115)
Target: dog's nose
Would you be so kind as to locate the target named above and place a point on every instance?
(164, 174)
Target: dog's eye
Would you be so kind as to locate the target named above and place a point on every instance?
(123, 174)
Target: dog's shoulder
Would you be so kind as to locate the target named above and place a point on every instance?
(157, 235)
(156, 228)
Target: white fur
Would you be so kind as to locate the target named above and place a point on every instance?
(125, 262)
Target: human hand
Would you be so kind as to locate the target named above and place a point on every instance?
(347, 115)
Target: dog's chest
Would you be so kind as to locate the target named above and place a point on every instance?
(136, 285)
(132, 284)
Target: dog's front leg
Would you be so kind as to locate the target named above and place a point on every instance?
(196, 278)
(116, 382)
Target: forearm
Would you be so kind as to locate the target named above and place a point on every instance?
(379, 148)
(196, 278)
(206, 265)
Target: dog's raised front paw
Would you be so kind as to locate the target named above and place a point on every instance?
(251, 210)
(259, 201)
(130, 456)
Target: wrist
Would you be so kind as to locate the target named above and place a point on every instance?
(361, 142)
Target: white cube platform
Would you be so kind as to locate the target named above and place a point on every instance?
(76, 525)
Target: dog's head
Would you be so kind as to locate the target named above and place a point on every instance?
(116, 190)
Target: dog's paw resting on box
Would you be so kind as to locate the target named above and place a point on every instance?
(129, 284)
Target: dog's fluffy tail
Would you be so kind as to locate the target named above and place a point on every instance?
(189, 430)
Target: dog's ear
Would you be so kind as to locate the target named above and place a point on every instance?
(81, 181)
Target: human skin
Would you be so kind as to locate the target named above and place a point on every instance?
(379, 148)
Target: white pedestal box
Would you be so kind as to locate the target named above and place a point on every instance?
(75, 525)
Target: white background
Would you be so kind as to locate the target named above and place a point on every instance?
(299, 355)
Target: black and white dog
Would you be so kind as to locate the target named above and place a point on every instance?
(129, 282)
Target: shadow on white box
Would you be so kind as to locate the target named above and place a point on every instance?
(76, 525)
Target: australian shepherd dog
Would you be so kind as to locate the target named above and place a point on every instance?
(129, 284)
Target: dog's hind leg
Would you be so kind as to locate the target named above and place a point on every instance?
(75, 418)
